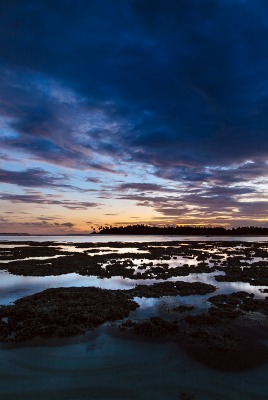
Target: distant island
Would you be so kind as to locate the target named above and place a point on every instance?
(183, 230)
(14, 234)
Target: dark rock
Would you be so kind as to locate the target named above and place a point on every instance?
(172, 289)
(63, 312)
(152, 327)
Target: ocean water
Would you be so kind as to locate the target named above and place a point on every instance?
(105, 365)
(130, 238)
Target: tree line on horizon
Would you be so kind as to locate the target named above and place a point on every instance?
(142, 229)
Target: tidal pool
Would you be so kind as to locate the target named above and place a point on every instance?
(105, 364)
(107, 367)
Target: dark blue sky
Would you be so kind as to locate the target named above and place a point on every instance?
(133, 111)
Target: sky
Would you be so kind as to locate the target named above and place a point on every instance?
(117, 112)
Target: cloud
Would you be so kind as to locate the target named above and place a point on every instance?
(67, 224)
(110, 214)
(37, 227)
(32, 177)
(51, 124)
(93, 180)
(38, 198)
(39, 178)
(163, 83)
(6, 158)
(147, 187)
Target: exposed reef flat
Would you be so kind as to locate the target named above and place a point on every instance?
(90, 261)
(255, 273)
(234, 259)
(71, 311)
(151, 327)
(46, 249)
(62, 312)
(227, 335)
(172, 289)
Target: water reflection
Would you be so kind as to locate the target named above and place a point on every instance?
(13, 287)
(131, 238)
(11, 246)
(108, 367)
(31, 258)
(164, 306)
(102, 250)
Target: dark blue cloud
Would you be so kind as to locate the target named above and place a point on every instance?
(33, 177)
(39, 178)
(191, 77)
(147, 187)
(41, 199)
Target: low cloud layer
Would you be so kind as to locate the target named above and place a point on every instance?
(40, 199)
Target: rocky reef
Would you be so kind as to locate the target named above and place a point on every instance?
(62, 312)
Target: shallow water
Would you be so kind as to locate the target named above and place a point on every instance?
(131, 238)
(13, 287)
(107, 366)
